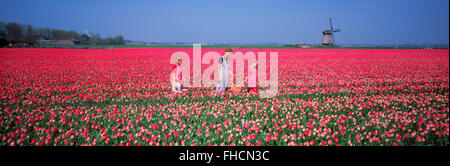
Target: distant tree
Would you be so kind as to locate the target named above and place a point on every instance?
(2, 29)
(40, 31)
(118, 40)
(47, 33)
(73, 35)
(61, 34)
(30, 34)
(56, 34)
(84, 39)
(108, 40)
(3, 42)
(96, 39)
(14, 31)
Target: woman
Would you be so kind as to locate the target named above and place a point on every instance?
(223, 69)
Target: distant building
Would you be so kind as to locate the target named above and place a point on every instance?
(134, 43)
(304, 46)
(68, 42)
(45, 41)
(299, 45)
(39, 37)
(328, 36)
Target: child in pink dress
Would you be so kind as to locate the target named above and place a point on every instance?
(252, 78)
(177, 76)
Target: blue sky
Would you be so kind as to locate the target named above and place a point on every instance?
(285, 21)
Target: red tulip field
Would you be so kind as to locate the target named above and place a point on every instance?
(123, 97)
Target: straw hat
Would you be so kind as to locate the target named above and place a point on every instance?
(228, 49)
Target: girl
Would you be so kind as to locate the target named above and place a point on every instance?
(252, 78)
(177, 76)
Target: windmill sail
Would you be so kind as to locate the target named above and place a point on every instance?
(331, 25)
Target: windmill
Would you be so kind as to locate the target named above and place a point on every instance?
(328, 37)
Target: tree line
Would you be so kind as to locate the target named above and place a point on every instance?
(13, 32)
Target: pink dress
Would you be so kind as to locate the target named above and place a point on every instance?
(176, 84)
(178, 73)
(252, 80)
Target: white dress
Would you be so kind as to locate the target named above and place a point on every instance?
(223, 84)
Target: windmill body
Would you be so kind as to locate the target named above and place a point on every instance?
(328, 36)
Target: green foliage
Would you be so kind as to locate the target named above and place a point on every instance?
(15, 32)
